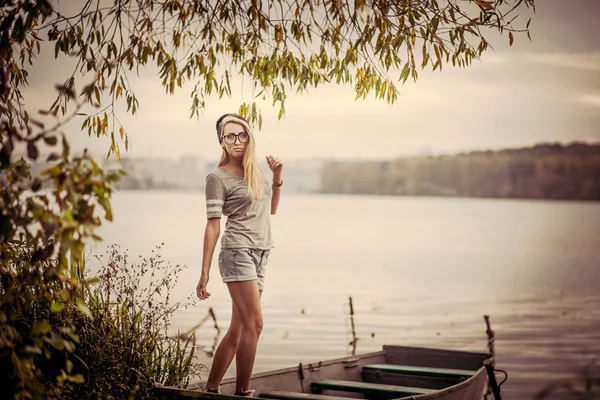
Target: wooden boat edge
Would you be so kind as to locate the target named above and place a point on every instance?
(434, 350)
(193, 390)
(286, 370)
(450, 389)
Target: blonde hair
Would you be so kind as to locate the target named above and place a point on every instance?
(253, 174)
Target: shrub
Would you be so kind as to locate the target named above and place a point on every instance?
(42, 236)
(126, 346)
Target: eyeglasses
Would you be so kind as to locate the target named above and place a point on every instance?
(231, 138)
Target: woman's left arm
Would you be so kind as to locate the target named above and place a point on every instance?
(276, 166)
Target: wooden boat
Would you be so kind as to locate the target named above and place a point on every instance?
(396, 372)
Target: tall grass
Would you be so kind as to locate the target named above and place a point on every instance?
(125, 346)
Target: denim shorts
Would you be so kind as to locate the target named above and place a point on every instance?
(237, 265)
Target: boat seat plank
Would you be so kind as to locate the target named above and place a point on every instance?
(367, 388)
(422, 371)
(298, 396)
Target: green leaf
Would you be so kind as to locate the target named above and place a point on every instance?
(50, 140)
(40, 328)
(32, 151)
(56, 341)
(66, 148)
(52, 157)
(69, 346)
(434, 25)
(77, 378)
(93, 281)
(405, 72)
(84, 308)
(69, 366)
(56, 307)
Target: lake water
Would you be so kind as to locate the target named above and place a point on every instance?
(421, 272)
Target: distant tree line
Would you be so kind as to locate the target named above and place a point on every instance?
(545, 171)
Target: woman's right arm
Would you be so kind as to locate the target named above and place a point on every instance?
(211, 235)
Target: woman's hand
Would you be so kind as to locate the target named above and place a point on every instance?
(276, 166)
(201, 288)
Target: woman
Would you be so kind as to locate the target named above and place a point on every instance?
(239, 190)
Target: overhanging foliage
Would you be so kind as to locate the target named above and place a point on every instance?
(371, 45)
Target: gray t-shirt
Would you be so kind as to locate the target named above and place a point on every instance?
(248, 222)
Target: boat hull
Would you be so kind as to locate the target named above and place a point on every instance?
(300, 379)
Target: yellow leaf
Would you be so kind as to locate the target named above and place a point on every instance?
(488, 5)
(383, 89)
(511, 38)
(84, 308)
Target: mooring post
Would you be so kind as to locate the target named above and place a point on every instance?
(490, 335)
(489, 364)
(489, 367)
(353, 343)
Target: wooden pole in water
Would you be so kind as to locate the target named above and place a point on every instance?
(489, 367)
(489, 364)
(490, 334)
(353, 343)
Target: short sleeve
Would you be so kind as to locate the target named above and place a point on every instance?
(215, 196)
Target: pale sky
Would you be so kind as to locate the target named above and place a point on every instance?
(547, 90)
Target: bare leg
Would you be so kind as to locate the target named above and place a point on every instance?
(246, 299)
(225, 351)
